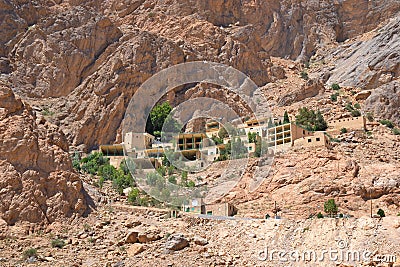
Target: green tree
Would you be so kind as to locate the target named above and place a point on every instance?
(330, 207)
(158, 115)
(270, 123)
(343, 130)
(286, 117)
(133, 196)
(311, 120)
(335, 86)
(223, 133)
(252, 137)
(381, 213)
(319, 215)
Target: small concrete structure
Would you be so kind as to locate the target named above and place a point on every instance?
(220, 209)
(319, 139)
(353, 123)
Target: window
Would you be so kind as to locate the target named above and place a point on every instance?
(318, 139)
(309, 140)
(304, 132)
(250, 148)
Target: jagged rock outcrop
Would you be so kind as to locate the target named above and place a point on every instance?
(54, 55)
(37, 183)
(370, 63)
(384, 102)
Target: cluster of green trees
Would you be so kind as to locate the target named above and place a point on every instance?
(96, 164)
(311, 120)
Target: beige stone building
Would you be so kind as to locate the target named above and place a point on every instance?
(353, 123)
(319, 139)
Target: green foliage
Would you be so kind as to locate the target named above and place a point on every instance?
(267, 216)
(343, 130)
(223, 133)
(133, 196)
(184, 178)
(270, 123)
(101, 182)
(172, 179)
(236, 148)
(387, 123)
(349, 107)
(381, 213)
(252, 137)
(286, 118)
(334, 97)
(330, 207)
(304, 75)
(31, 252)
(396, 131)
(355, 113)
(122, 181)
(370, 117)
(76, 164)
(47, 112)
(335, 86)
(170, 169)
(217, 140)
(158, 115)
(92, 163)
(319, 215)
(357, 106)
(311, 120)
(57, 243)
(162, 170)
(191, 184)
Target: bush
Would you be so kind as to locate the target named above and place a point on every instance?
(335, 86)
(330, 207)
(57, 243)
(319, 215)
(387, 123)
(31, 252)
(191, 184)
(304, 75)
(355, 113)
(334, 97)
(381, 213)
(133, 196)
(357, 105)
(172, 179)
(396, 131)
(370, 117)
(343, 130)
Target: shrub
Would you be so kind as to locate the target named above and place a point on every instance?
(101, 182)
(286, 118)
(335, 86)
(172, 179)
(370, 117)
(396, 131)
(30, 252)
(223, 133)
(191, 184)
(381, 213)
(387, 123)
(330, 207)
(304, 75)
(355, 113)
(349, 107)
(334, 97)
(398, 214)
(57, 243)
(357, 105)
(319, 215)
(133, 196)
(343, 130)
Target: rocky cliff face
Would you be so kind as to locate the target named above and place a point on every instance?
(36, 178)
(91, 56)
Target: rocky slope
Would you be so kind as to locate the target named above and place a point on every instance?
(36, 178)
(85, 59)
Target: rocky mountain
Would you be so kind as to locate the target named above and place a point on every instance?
(85, 59)
(37, 182)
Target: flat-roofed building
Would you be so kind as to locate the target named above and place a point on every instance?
(115, 153)
(319, 139)
(138, 141)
